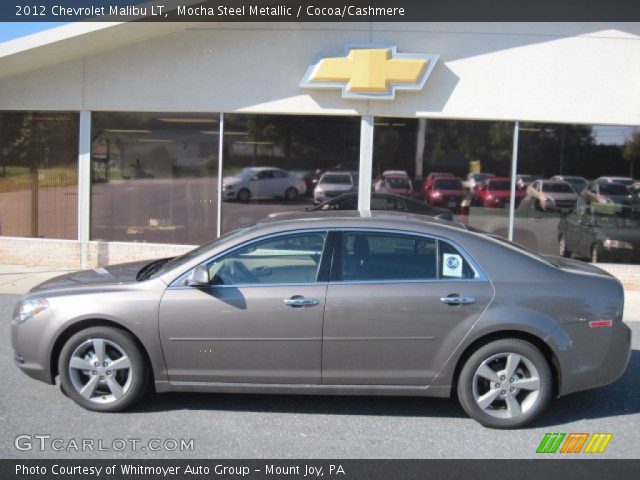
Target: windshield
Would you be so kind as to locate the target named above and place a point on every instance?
(247, 173)
(617, 221)
(557, 187)
(613, 189)
(182, 259)
(397, 182)
(481, 177)
(449, 184)
(505, 185)
(336, 179)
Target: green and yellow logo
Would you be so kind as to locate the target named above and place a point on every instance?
(574, 443)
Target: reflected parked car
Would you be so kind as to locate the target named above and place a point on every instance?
(395, 182)
(333, 184)
(602, 233)
(262, 182)
(337, 303)
(626, 181)
(553, 196)
(635, 190)
(578, 183)
(495, 192)
(475, 179)
(383, 201)
(447, 192)
(608, 193)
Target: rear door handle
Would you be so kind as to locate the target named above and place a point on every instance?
(298, 301)
(454, 299)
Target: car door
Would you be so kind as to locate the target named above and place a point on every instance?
(260, 319)
(393, 299)
(262, 186)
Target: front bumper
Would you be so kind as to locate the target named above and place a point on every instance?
(31, 349)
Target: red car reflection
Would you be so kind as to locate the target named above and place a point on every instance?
(445, 192)
(495, 193)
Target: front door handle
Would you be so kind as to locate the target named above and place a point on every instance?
(298, 301)
(455, 299)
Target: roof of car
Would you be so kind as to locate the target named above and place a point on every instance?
(260, 169)
(356, 218)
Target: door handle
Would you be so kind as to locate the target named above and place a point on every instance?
(298, 301)
(454, 299)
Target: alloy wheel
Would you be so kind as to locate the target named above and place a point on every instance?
(506, 385)
(100, 370)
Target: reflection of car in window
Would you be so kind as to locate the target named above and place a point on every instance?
(396, 182)
(552, 196)
(381, 201)
(495, 192)
(601, 232)
(332, 184)
(262, 182)
(447, 192)
(604, 193)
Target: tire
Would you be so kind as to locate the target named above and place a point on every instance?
(562, 247)
(291, 194)
(244, 195)
(107, 389)
(494, 356)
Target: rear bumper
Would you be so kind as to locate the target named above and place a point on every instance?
(590, 364)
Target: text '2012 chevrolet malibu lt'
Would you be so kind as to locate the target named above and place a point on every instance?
(333, 303)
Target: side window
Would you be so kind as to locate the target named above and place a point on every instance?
(348, 203)
(279, 174)
(380, 256)
(285, 259)
(452, 263)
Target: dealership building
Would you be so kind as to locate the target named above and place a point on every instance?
(117, 139)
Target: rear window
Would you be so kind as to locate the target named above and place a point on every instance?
(449, 184)
(557, 188)
(500, 185)
(613, 189)
(397, 182)
(337, 179)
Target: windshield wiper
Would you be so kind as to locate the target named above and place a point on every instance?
(148, 270)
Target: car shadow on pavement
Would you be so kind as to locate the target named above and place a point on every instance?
(619, 398)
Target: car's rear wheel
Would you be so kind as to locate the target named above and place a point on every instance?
(244, 195)
(505, 384)
(291, 193)
(562, 247)
(102, 369)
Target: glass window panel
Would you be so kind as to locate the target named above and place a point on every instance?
(443, 163)
(285, 259)
(282, 163)
(372, 256)
(154, 177)
(581, 196)
(39, 174)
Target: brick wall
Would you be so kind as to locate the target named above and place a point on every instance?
(68, 253)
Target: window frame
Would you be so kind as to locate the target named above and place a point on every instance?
(336, 261)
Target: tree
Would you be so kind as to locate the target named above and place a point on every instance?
(631, 151)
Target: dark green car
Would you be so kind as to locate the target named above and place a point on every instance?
(603, 233)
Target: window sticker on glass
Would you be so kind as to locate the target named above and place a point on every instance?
(451, 265)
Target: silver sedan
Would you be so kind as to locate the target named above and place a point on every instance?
(337, 303)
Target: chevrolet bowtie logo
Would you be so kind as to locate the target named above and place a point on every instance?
(369, 72)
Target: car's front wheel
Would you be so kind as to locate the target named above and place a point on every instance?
(291, 194)
(102, 369)
(505, 384)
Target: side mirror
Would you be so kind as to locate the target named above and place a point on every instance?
(199, 276)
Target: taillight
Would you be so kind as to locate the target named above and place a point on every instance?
(600, 323)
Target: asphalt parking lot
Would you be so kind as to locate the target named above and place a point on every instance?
(258, 426)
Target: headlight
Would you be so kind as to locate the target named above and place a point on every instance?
(30, 309)
(617, 244)
(227, 187)
(318, 189)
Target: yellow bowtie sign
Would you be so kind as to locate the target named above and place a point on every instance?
(368, 72)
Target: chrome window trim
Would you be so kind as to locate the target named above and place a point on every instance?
(479, 275)
(176, 283)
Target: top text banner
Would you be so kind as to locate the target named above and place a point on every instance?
(319, 10)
